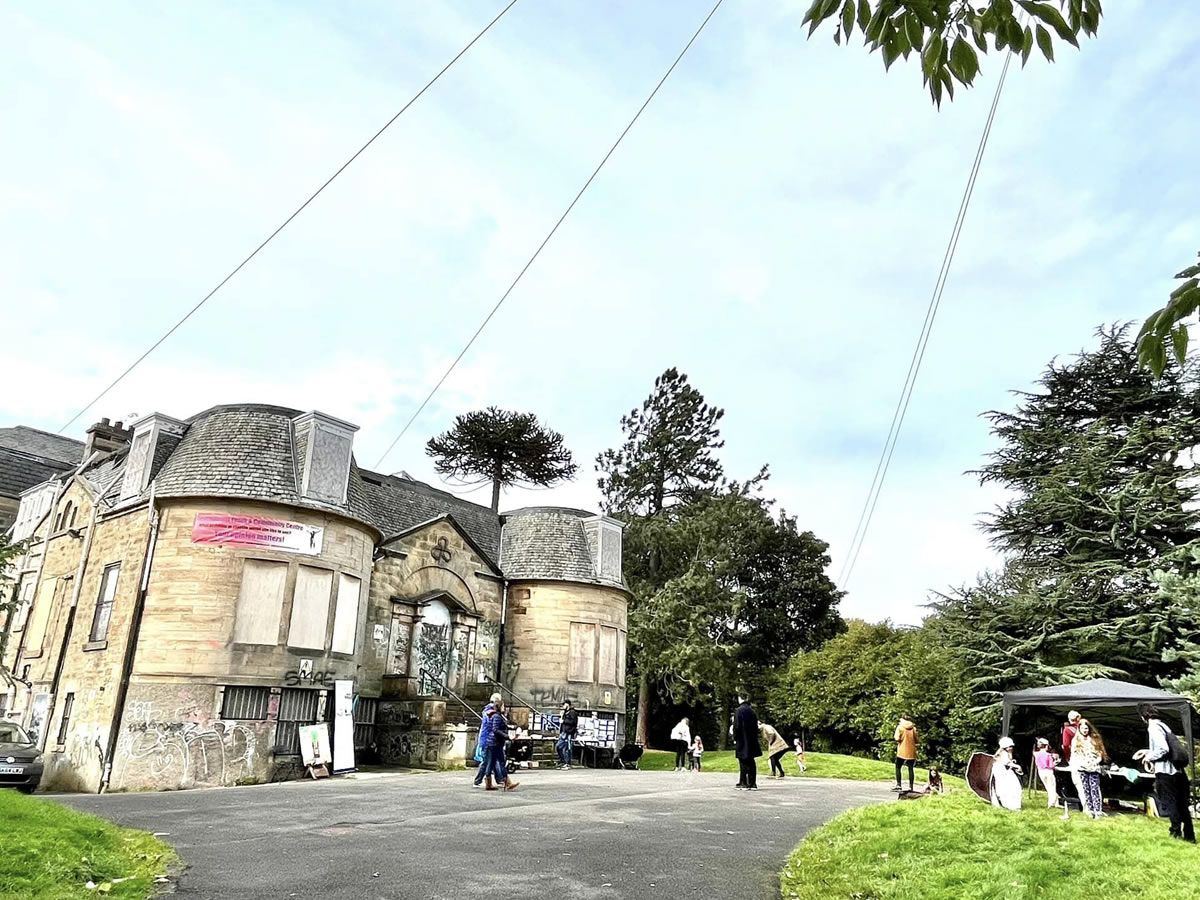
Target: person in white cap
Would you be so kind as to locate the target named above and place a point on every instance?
(1006, 780)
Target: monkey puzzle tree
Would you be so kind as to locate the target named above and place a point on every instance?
(502, 447)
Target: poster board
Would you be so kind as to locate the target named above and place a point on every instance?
(343, 726)
(314, 745)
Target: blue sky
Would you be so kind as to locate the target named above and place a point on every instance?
(772, 226)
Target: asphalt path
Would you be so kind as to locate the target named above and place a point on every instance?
(586, 834)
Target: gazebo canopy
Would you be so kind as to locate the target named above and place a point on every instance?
(1115, 701)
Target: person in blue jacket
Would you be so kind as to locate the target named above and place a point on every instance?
(499, 739)
(485, 744)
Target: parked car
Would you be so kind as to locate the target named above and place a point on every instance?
(20, 759)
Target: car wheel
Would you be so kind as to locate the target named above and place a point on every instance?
(26, 789)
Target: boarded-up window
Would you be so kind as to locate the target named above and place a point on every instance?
(608, 655)
(40, 617)
(345, 615)
(260, 604)
(581, 662)
(310, 608)
(621, 659)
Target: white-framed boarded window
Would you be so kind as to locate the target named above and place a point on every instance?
(608, 655)
(345, 614)
(310, 608)
(260, 603)
(40, 618)
(104, 602)
(621, 650)
(581, 649)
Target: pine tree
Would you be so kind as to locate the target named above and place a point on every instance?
(502, 447)
(1098, 505)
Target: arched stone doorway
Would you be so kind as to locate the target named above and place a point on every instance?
(433, 644)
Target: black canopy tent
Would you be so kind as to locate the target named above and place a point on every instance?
(1105, 701)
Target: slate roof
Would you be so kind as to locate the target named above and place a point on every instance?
(43, 444)
(247, 451)
(400, 503)
(29, 456)
(546, 542)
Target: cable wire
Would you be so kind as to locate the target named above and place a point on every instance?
(170, 331)
(546, 240)
(914, 366)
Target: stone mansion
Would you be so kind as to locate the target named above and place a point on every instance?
(191, 589)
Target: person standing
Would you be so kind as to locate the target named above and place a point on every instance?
(568, 725)
(1045, 761)
(697, 752)
(485, 744)
(499, 740)
(800, 764)
(906, 750)
(745, 742)
(1168, 759)
(1087, 758)
(1006, 781)
(681, 740)
(777, 748)
(1069, 730)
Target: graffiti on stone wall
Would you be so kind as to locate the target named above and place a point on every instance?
(401, 636)
(511, 664)
(189, 748)
(298, 677)
(379, 641)
(433, 651)
(547, 695)
(411, 747)
(487, 643)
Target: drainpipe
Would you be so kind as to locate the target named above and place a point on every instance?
(135, 627)
(69, 628)
(500, 638)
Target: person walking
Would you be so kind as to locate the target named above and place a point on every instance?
(697, 752)
(499, 740)
(777, 748)
(484, 772)
(906, 751)
(800, 764)
(1087, 758)
(681, 740)
(1168, 759)
(745, 743)
(568, 725)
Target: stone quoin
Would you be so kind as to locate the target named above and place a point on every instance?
(192, 589)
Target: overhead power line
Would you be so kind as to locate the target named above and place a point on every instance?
(170, 331)
(546, 240)
(914, 366)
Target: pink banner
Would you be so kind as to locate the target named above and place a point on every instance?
(253, 531)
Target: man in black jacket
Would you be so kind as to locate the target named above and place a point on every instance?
(568, 725)
(745, 744)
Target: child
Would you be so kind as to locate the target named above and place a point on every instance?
(697, 752)
(800, 756)
(935, 782)
(1045, 761)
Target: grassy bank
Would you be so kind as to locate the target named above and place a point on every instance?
(819, 765)
(958, 848)
(50, 852)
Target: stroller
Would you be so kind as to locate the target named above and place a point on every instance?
(517, 752)
(630, 756)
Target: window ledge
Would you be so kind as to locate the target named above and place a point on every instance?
(95, 645)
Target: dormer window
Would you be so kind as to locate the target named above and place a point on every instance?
(603, 535)
(323, 448)
(147, 433)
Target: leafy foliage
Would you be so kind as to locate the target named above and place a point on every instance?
(949, 35)
(852, 690)
(502, 447)
(1164, 334)
(1098, 505)
(1180, 590)
(9, 552)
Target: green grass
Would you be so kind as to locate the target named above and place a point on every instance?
(956, 847)
(820, 765)
(49, 852)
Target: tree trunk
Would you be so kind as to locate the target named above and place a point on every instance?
(495, 495)
(722, 720)
(643, 711)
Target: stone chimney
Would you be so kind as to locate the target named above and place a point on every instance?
(104, 437)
